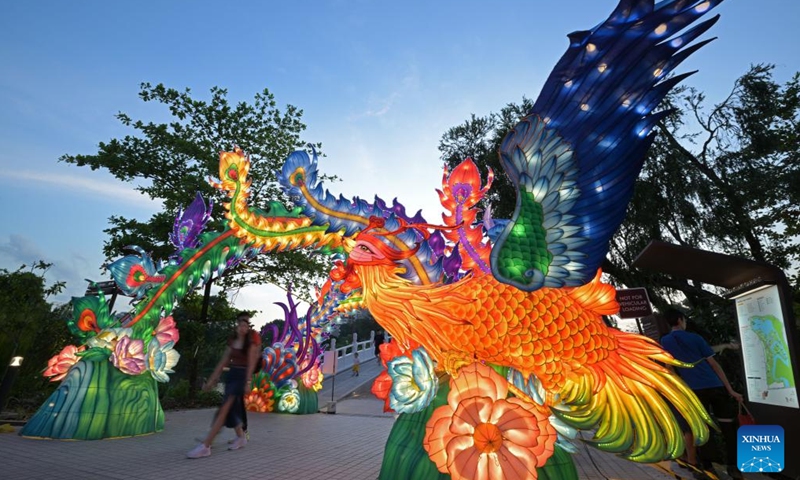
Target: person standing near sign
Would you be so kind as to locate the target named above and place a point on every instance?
(709, 383)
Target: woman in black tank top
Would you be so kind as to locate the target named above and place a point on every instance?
(240, 357)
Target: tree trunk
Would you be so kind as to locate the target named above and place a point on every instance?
(193, 386)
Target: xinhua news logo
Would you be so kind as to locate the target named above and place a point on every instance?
(760, 448)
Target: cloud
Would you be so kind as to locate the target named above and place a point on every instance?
(74, 268)
(382, 109)
(262, 299)
(411, 79)
(20, 250)
(112, 190)
(407, 83)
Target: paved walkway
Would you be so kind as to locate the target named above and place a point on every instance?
(281, 447)
(345, 446)
(346, 383)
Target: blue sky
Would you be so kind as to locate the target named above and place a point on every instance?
(379, 83)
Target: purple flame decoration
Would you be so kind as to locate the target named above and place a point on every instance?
(398, 209)
(452, 264)
(306, 348)
(190, 223)
(437, 242)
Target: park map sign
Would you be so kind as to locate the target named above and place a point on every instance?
(767, 363)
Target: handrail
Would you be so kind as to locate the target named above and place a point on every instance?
(345, 355)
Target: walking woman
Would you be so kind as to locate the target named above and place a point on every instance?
(240, 357)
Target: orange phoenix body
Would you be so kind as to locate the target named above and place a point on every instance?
(551, 332)
(588, 375)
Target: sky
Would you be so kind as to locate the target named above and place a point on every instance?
(379, 83)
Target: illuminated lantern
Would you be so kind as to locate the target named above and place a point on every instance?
(481, 430)
(501, 344)
(58, 366)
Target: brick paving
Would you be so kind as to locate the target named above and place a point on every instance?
(282, 446)
(345, 446)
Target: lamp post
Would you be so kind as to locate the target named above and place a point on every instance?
(8, 380)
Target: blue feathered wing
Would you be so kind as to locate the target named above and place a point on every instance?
(574, 158)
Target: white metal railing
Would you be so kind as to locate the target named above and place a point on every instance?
(346, 354)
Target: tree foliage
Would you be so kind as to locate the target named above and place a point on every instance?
(202, 338)
(172, 161)
(479, 138)
(23, 305)
(361, 323)
(722, 177)
(32, 328)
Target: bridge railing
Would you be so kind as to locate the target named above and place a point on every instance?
(346, 354)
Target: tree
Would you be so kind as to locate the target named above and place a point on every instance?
(202, 340)
(173, 161)
(23, 306)
(267, 330)
(361, 323)
(30, 327)
(723, 178)
(745, 163)
(479, 138)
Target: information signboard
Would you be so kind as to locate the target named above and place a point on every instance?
(330, 362)
(765, 349)
(633, 303)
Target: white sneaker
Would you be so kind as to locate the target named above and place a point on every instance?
(233, 440)
(199, 451)
(238, 443)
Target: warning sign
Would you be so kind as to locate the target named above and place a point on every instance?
(633, 303)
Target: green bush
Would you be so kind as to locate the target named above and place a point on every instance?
(176, 397)
(208, 399)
